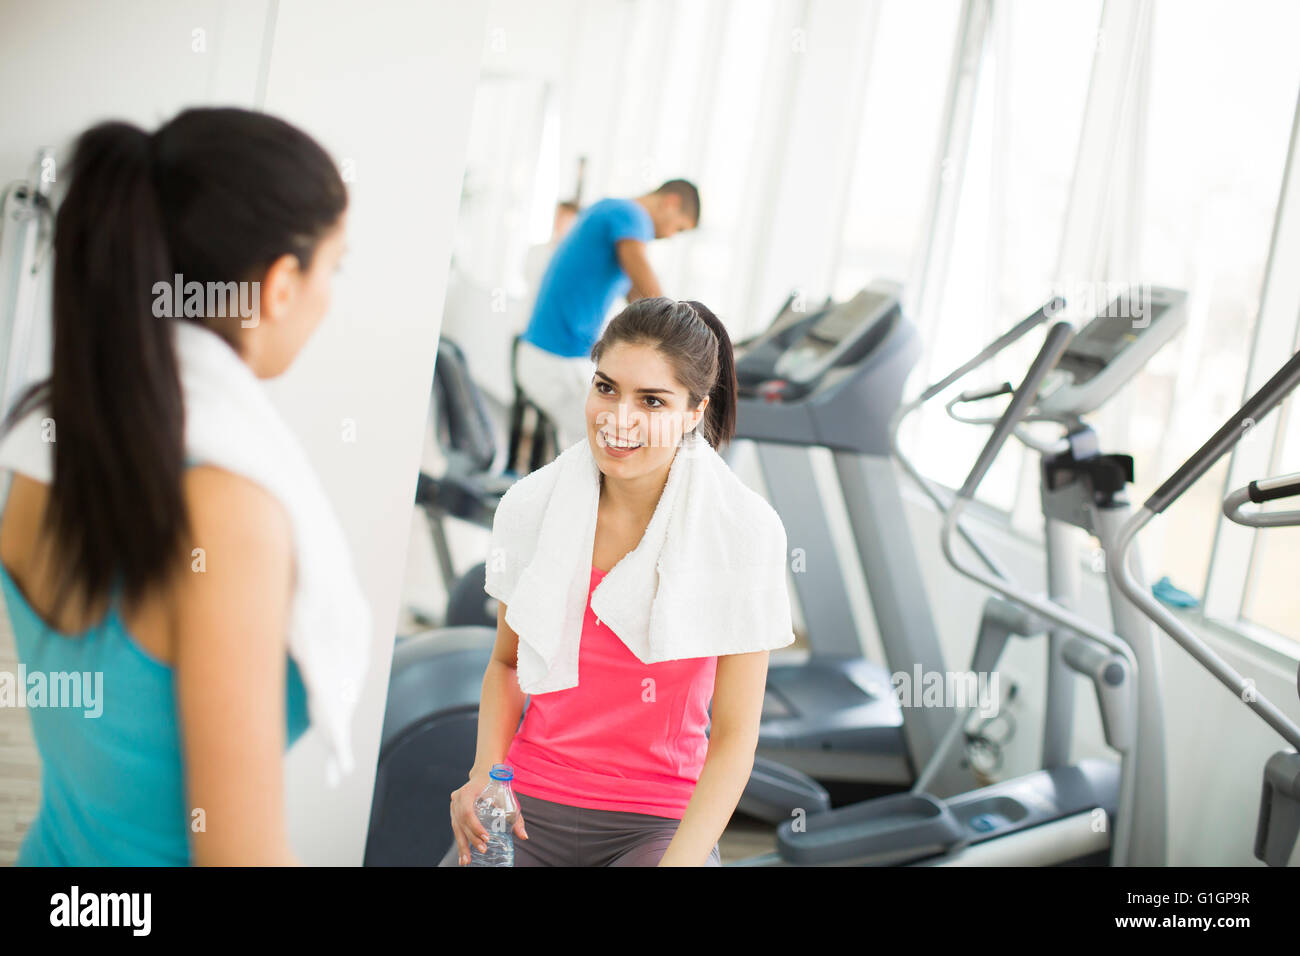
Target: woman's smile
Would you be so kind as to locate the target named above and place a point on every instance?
(615, 448)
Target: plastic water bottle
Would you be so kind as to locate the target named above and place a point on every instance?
(497, 810)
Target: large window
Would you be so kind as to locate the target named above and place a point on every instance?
(503, 156)
(1013, 188)
(709, 268)
(1221, 98)
(885, 217)
(1206, 105)
(1272, 598)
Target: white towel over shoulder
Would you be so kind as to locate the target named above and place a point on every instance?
(230, 422)
(708, 577)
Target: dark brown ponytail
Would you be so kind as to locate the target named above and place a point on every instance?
(720, 416)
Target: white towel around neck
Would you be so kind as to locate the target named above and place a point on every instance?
(230, 422)
(708, 577)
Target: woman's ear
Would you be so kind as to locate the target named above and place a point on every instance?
(697, 416)
(279, 286)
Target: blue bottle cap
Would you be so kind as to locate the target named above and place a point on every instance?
(501, 771)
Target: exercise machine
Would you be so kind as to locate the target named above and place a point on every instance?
(431, 717)
(1063, 812)
(1279, 810)
(469, 487)
(428, 742)
(533, 438)
(832, 378)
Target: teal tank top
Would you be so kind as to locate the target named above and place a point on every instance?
(113, 785)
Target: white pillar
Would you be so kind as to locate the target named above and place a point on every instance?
(392, 94)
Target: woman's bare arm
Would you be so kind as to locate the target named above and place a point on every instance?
(501, 703)
(231, 615)
(738, 688)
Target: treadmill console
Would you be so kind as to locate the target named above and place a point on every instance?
(1113, 347)
(837, 335)
(756, 357)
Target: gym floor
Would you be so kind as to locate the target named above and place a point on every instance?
(745, 838)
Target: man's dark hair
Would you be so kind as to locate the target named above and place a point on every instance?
(686, 191)
(569, 205)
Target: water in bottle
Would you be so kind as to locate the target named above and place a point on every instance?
(497, 810)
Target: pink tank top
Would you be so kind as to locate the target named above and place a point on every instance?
(630, 736)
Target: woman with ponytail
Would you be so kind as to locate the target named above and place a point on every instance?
(138, 562)
(640, 583)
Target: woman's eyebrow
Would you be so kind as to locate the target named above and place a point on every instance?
(641, 391)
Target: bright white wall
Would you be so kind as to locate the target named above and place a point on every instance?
(67, 64)
(391, 90)
(393, 94)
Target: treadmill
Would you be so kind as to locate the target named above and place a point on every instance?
(833, 378)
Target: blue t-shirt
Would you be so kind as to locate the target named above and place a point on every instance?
(584, 277)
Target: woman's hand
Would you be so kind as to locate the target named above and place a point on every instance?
(466, 827)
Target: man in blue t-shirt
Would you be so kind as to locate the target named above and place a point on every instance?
(602, 258)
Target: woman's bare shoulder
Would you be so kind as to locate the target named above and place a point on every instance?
(20, 527)
(229, 503)
(235, 525)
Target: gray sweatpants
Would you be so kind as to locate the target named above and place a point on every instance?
(561, 835)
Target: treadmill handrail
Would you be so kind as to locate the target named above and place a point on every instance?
(933, 491)
(1000, 344)
(1012, 417)
(1258, 492)
(951, 409)
(1022, 400)
(1269, 396)
(1054, 345)
(1244, 689)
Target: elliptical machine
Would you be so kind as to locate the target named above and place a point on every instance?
(1279, 811)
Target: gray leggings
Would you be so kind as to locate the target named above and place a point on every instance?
(561, 835)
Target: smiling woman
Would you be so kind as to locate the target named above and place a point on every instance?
(660, 365)
(645, 680)
(627, 415)
(673, 359)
